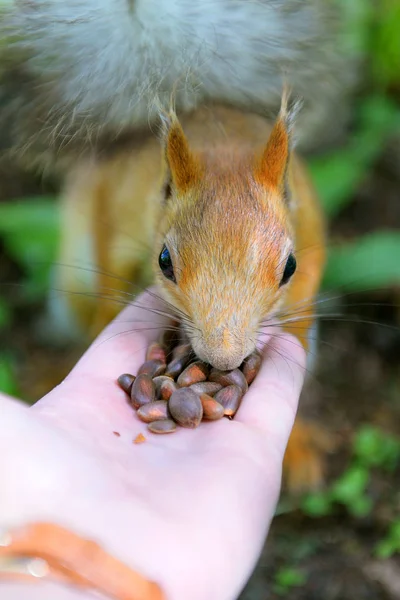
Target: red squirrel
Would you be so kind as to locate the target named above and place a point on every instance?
(80, 86)
(225, 213)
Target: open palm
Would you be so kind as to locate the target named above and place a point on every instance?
(189, 510)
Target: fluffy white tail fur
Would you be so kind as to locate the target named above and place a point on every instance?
(79, 70)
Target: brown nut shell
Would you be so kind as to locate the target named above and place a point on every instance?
(143, 390)
(212, 410)
(167, 388)
(182, 351)
(153, 411)
(230, 397)
(158, 382)
(194, 373)
(186, 408)
(126, 381)
(206, 387)
(251, 365)
(163, 426)
(156, 352)
(175, 367)
(154, 368)
(234, 377)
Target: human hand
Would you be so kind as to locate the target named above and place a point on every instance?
(188, 510)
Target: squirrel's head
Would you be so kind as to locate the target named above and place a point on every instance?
(225, 249)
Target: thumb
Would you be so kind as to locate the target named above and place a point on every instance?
(272, 400)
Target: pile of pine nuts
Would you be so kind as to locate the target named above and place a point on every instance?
(184, 391)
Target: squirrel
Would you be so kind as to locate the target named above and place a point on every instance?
(225, 217)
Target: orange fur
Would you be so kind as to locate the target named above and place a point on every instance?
(229, 228)
(227, 208)
(185, 169)
(272, 167)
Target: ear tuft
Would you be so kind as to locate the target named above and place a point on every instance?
(289, 111)
(272, 166)
(183, 166)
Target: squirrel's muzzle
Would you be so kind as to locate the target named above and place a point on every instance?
(224, 348)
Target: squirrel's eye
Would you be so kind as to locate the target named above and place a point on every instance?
(165, 262)
(289, 269)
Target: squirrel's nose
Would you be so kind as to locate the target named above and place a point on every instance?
(223, 350)
(226, 363)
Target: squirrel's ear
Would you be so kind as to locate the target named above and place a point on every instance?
(271, 167)
(183, 168)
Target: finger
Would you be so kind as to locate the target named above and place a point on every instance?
(121, 347)
(271, 402)
(89, 399)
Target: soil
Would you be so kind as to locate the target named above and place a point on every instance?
(357, 381)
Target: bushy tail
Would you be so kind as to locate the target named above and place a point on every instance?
(77, 75)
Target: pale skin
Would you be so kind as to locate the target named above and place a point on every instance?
(190, 510)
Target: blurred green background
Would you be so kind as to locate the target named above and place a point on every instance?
(344, 541)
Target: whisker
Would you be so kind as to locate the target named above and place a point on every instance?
(99, 271)
(165, 327)
(317, 302)
(334, 317)
(122, 302)
(306, 338)
(289, 359)
(130, 331)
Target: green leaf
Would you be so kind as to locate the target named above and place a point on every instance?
(338, 174)
(30, 229)
(366, 443)
(36, 211)
(376, 448)
(370, 262)
(386, 549)
(356, 16)
(317, 505)
(385, 43)
(351, 485)
(336, 177)
(391, 543)
(8, 383)
(288, 577)
(361, 506)
(395, 530)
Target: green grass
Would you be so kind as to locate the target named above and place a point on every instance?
(372, 449)
(287, 578)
